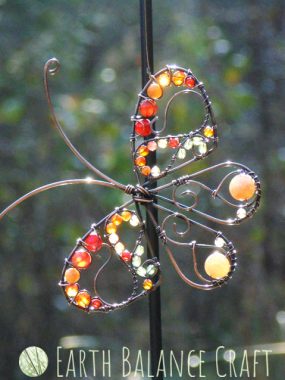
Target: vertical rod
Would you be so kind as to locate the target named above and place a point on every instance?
(154, 298)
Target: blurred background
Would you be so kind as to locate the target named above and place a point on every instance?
(238, 50)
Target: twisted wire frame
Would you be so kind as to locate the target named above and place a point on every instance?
(198, 144)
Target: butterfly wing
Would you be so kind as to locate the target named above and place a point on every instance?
(181, 149)
(104, 239)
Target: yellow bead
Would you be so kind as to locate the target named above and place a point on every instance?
(164, 79)
(154, 91)
(126, 215)
(116, 219)
(143, 150)
(178, 78)
(111, 228)
(147, 284)
(71, 290)
(217, 265)
(83, 298)
(242, 187)
(209, 131)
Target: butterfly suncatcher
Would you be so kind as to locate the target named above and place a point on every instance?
(242, 184)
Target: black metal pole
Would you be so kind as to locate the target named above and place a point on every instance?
(154, 298)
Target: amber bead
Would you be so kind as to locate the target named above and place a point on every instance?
(71, 290)
(81, 259)
(143, 127)
(147, 284)
(217, 265)
(178, 78)
(190, 82)
(143, 150)
(96, 303)
(93, 242)
(117, 219)
(126, 256)
(173, 142)
(145, 170)
(71, 275)
(140, 161)
(126, 215)
(111, 228)
(164, 79)
(83, 299)
(242, 187)
(208, 131)
(154, 91)
(148, 108)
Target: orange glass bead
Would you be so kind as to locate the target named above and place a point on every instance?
(71, 290)
(154, 91)
(81, 259)
(111, 228)
(116, 219)
(242, 187)
(178, 78)
(208, 131)
(164, 79)
(143, 150)
(148, 108)
(147, 284)
(217, 265)
(146, 170)
(83, 299)
(71, 275)
(190, 82)
(126, 215)
(140, 161)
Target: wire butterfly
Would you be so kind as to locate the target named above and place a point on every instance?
(180, 150)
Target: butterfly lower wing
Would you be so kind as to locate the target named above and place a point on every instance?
(104, 239)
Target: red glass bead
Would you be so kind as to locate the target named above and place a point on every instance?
(148, 108)
(93, 242)
(126, 256)
(190, 82)
(173, 142)
(81, 259)
(143, 127)
(96, 303)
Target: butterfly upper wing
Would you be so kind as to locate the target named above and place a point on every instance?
(180, 149)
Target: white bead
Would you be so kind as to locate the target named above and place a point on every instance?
(181, 154)
(141, 271)
(155, 171)
(202, 148)
(219, 242)
(162, 143)
(188, 144)
(134, 221)
(136, 261)
(151, 270)
(197, 141)
(113, 238)
(119, 248)
(139, 250)
(241, 213)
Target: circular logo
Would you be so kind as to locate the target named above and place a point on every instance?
(33, 361)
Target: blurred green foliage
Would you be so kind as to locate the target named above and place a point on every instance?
(238, 50)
